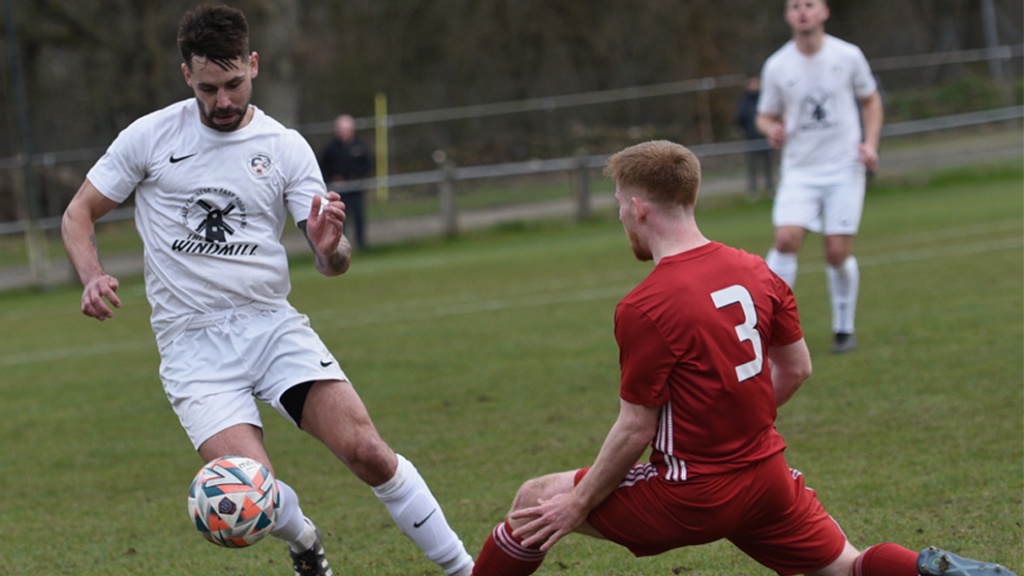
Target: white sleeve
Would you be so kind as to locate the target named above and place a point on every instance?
(122, 166)
(304, 179)
(770, 101)
(864, 84)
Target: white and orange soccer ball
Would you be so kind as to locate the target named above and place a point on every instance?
(233, 501)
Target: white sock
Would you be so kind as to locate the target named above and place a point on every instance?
(843, 284)
(291, 525)
(784, 264)
(419, 516)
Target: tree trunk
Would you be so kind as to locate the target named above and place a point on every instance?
(278, 45)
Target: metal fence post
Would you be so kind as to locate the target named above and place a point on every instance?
(446, 192)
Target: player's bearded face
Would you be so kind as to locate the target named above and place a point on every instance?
(223, 94)
(224, 118)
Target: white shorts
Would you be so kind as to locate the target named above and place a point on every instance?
(214, 371)
(829, 209)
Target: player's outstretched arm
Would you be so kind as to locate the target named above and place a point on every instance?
(324, 230)
(78, 228)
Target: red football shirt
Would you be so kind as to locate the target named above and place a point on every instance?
(693, 339)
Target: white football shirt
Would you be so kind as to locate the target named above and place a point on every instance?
(210, 207)
(818, 99)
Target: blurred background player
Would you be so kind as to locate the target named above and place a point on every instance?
(214, 181)
(346, 158)
(710, 345)
(811, 90)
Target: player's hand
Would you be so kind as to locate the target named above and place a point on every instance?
(549, 521)
(325, 232)
(326, 223)
(97, 293)
(777, 135)
(869, 156)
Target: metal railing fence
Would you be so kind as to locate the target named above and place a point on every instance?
(447, 173)
(444, 180)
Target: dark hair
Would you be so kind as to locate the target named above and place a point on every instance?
(220, 34)
(665, 172)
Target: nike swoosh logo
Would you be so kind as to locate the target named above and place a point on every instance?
(180, 158)
(326, 364)
(424, 521)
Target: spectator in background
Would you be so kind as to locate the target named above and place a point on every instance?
(811, 90)
(346, 159)
(759, 159)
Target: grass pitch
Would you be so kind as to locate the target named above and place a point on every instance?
(490, 359)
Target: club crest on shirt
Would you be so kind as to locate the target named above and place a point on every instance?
(260, 164)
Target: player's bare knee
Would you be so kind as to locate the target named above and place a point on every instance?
(528, 494)
(787, 245)
(373, 461)
(837, 249)
(789, 239)
(835, 256)
(532, 491)
(537, 489)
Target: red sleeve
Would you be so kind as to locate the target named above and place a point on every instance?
(645, 359)
(786, 320)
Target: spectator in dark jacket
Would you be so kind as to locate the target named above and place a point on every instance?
(347, 159)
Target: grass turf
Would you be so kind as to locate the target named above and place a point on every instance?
(490, 359)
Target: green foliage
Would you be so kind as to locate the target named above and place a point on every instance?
(490, 359)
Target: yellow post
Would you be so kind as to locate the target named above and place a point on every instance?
(381, 124)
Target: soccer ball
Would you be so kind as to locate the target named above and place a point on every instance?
(234, 501)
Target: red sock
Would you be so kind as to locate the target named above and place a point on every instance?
(504, 555)
(886, 559)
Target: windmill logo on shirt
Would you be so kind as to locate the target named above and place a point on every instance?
(213, 225)
(205, 217)
(818, 111)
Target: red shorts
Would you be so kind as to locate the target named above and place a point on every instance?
(764, 509)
